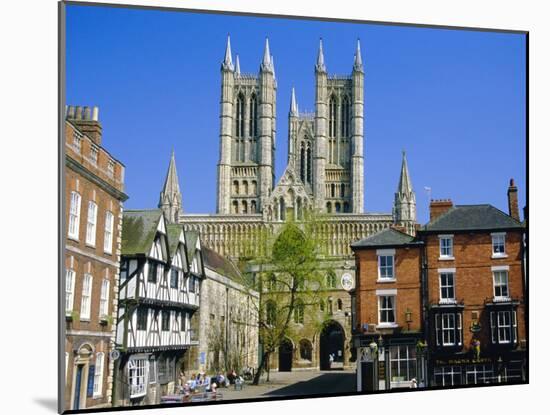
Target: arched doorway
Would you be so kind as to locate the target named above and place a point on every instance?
(285, 356)
(331, 342)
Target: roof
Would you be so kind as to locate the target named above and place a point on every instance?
(220, 264)
(173, 232)
(138, 230)
(386, 237)
(473, 217)
(191, 242)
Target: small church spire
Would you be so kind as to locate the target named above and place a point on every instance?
(320, 66)
(228, 60)
(237, 65)
(405, 185)
(404, 209)
(267, 65)
(358, 62)
(170, 196)
(293, 104)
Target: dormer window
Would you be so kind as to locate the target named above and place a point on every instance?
(446, 247)
(499, 245)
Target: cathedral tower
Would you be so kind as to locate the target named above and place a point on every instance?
(247, 136)
(338, 156)
(170, 196)
(404, 208)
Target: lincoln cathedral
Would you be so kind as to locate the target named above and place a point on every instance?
(324, 172)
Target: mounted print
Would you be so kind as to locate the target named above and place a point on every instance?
(275, 207)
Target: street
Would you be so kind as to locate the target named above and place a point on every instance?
(298, 383)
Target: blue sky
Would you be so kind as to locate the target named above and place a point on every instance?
(454, 100)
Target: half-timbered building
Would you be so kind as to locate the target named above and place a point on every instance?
(159, 293)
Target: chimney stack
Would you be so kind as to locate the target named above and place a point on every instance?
(439, 207)
(86, 119)
(513, 207)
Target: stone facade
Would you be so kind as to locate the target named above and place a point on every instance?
(94, 192)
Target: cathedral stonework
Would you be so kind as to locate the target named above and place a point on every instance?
(325, 172)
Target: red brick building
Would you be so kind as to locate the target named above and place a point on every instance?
(456, 290)
(94, 192)
(388, 317)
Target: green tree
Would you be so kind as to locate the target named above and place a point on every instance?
(291, 279)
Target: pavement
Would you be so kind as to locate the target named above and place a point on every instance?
(298, 383)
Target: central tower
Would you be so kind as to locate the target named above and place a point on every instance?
(247, 135)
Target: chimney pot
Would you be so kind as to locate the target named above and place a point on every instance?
(78, 112)
(95, 114)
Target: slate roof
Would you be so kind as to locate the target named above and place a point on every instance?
(191, 241)
(473, 217)
(173, 232)
(138, 230)
(387, 237)
(220, 264)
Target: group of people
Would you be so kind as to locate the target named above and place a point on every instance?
(201, 381)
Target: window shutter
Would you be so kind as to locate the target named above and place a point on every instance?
(91, 375)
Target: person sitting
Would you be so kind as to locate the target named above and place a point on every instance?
(221, 379)
(192, 383)
(206, 383)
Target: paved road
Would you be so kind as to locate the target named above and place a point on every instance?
(298, 383)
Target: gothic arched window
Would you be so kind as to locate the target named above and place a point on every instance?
(332, 117)
(302, 163)
(305, 349)
(342, 190)
(253, 122)
(253, 206)
(344, 119)
(245, 187)
(281, 209)
(329, 207)
(299, 209)
(339, 304)
(337, 207)
(245, 207)
(235, 207)
(236, 187)
(331, 280)
(308, 161)
(240, 116)
(254, 187)
(271, 312)
(332, 190)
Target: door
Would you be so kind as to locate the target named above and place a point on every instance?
(285, 356)
(77, 385)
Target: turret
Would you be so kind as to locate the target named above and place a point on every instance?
(266, 125)
(357, 158)
(319, 154)
(170, 196)
(226, 128)
(404, 209)
(292, 126)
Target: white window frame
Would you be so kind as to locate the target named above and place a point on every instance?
(455, 328)
(98, 375)
(393, 297)
(86, 303)
(447, 371)
(74, 215)
(500, 271)
(104, 298)
(386, 253)
(138, 377)
(410, 351)
(509, 330)
(70, 278)
(449, 255)
(479, 373)
(497, 239)
(108, 234)
(94, 154)
(452, 272)
(91, 225)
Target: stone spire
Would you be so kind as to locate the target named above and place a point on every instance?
(358, 62)
(267, 64)
(293, 104)
(170, 196)
(228, 60)
(405, 200)
(237, 65)
(320, 66)
(273, 66)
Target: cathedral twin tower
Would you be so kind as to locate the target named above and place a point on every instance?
(325, 157)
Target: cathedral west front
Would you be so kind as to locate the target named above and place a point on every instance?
(324, 172)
